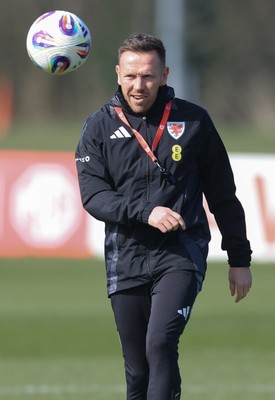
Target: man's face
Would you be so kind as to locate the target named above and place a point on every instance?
(140, 75)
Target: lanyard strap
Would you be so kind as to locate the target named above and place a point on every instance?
(140, 138)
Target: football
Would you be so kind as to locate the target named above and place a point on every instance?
(58, 42)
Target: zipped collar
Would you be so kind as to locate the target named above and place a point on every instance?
(165, 94)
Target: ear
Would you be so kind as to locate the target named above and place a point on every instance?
(165, 75)
(118, 74)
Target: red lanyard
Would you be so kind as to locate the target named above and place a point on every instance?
(158, 136)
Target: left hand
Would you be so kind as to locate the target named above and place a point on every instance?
(240, 282)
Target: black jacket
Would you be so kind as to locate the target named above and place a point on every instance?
(120, 185)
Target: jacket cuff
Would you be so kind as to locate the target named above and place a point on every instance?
(239, 258)
(146, 212)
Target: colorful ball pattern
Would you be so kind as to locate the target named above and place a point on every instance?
(58, 42)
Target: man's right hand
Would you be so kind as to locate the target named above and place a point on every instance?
(165, 219)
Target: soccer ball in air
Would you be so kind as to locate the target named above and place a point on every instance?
(58, 42)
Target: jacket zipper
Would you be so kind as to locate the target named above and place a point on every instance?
(147, 162)
(147, 195)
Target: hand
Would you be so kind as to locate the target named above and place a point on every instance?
(165, 219)
(240, 282)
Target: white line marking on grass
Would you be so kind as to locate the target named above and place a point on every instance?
(28, 390)
(59, 389)
(249, 388)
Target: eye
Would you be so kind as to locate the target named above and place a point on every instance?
(148, 77)
(129, 76)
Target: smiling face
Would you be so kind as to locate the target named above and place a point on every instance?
(140, 75)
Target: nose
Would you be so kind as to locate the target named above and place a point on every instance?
(138, 83)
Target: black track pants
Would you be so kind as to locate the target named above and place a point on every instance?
(150, 319)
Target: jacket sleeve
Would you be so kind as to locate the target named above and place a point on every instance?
(220, 192)
(98, 195)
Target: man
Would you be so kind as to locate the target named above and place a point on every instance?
(144, 161)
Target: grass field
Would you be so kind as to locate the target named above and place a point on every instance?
(58, 339)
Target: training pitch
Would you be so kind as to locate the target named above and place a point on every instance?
(58, 339)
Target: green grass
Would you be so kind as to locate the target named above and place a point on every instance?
(58, 339)
(42, 135)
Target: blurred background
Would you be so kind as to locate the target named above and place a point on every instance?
(227, 48)
(221, 55)
(57, 336)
